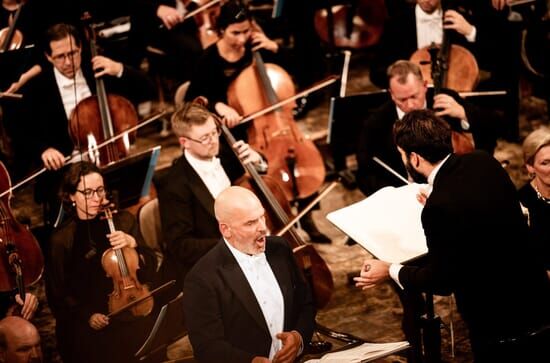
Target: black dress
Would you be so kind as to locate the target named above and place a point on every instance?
(77, 287)
(539, 221)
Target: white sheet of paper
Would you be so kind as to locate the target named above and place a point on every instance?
(387, 223)
(362, 353)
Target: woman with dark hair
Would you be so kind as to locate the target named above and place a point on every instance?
(77, 286)
(224, 60)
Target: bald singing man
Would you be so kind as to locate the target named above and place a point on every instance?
(19, 341)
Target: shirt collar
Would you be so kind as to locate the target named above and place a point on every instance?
(64, 82)
(242, 257)
(434, 172)
(200, 164)
(422, 16)
(401, 113)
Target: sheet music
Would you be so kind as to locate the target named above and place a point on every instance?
(365, 352)
(387, 223)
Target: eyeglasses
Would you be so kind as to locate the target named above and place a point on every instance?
(89, 193)
(59, 58)
(206, 139)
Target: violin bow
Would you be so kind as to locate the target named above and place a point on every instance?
(326, 82)
(103, 144)
(308, 207)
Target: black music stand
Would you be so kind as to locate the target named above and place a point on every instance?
(345, 121)
(16, 61)
(169, 327)
(130, 179)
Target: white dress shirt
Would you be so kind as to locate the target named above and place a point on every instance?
(72, 91)
(211, 173)
(429, 28)
(268, 293)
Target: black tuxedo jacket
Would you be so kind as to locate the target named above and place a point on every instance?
(225, 321)
(478, 249)
(186, 206)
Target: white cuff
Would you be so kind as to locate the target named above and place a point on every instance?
(119, 74)
(472, 36)
(394, 273)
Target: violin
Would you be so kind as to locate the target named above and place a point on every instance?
(10, 37)
(121, 266)
(100, 117)
(356, 25)
(278, 209)
(294, 161)
(21, 259)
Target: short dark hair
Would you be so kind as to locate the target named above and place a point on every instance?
(58, 32)
(232, 12)
(72, 176)
(424, 133)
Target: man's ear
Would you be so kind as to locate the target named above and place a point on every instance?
(225, 230)
(414, 159)
(183, 141)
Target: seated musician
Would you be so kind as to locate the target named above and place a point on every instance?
(159, 23)
(77, 286)
(246, 299)
(535, 194)
(471, 199)
(19, 341)
(409, 92)
(414, 27)
(186, 192)
(223, 61)
(51, 97)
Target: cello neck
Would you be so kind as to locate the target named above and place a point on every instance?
(104, 111)
(269, 92)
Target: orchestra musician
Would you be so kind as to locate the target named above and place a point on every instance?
(19, 341)
(535, 195)
(409, 92)
(186, 192)
(246, 299)
(501, 291)
(78, 287)
(57, 91)
(177, 38)
(416, 26)
(223, 61)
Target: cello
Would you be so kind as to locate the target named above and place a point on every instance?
(10, 37)
(99, 118)
(294, 161)
(21, 259)
(449, 66)
(273, 198)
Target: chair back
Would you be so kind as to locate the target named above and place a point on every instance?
(151, 228)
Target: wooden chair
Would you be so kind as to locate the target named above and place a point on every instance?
(151, 228)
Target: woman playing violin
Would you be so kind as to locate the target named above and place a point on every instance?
(77, 286)
(224, 60)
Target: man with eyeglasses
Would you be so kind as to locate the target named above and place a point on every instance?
(51, 97)
(186, 192)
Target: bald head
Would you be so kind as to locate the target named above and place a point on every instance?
(241, 219)
(234, 200)
(19, 341)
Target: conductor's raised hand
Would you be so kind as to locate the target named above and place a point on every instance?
(372, 273)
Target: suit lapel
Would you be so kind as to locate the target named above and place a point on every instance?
(197, 186)
(281, 272)
(237, 282)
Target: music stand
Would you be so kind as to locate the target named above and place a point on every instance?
(345, 121)
(169, 327)
(16, 61)
(130, 179)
